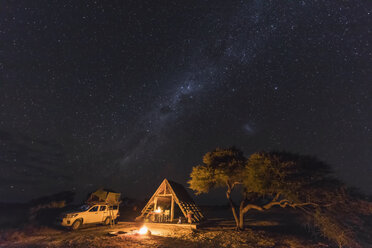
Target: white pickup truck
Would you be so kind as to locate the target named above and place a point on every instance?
(87, 214)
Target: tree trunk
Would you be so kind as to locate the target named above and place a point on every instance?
(241, 215)
(232, 205)
(241, 220)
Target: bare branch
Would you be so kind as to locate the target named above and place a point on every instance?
(282, 203)
(235, 183)
(276, 196)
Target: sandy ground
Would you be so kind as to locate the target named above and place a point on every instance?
(91, 236)
(220, 235)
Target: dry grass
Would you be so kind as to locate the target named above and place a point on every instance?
(263, 231)
(97, 236)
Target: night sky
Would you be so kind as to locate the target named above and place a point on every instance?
(121, 94)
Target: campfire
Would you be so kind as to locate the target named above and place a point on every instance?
(144, 230)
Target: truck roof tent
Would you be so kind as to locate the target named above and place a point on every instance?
(104, 196)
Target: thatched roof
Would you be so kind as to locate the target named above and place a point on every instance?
(181, 192)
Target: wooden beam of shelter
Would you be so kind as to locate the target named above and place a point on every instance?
(178, 195)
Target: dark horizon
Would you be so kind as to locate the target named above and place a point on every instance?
(124, 94)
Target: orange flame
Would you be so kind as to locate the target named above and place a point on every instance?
(143, 230)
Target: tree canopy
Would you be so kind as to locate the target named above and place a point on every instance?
(221, 167)
(286, 180)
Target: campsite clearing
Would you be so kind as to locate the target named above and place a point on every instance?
(222, 234)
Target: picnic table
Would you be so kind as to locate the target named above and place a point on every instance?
(160, 216)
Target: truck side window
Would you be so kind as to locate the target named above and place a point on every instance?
(115, 207)
(102, 208)
(94, 209)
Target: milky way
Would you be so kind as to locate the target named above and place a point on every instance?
(122, 94)
(239, 47)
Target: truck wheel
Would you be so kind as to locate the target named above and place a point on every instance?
(107, 221)
(76, 225)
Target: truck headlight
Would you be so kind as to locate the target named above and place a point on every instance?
(71, 215)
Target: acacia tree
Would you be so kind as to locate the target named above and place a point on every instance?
(284, 180)
(306, 184)
(221, 168)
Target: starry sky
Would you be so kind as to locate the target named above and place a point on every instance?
(121, 94)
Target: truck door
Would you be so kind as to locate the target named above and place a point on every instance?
(103, 212)
(93, 215)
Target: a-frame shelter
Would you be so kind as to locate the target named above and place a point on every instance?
(178, 195)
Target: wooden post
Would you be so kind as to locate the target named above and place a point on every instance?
(172, 210)
(155, 203)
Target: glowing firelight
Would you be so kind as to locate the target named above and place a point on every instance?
(143, 230)
(158, 210)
